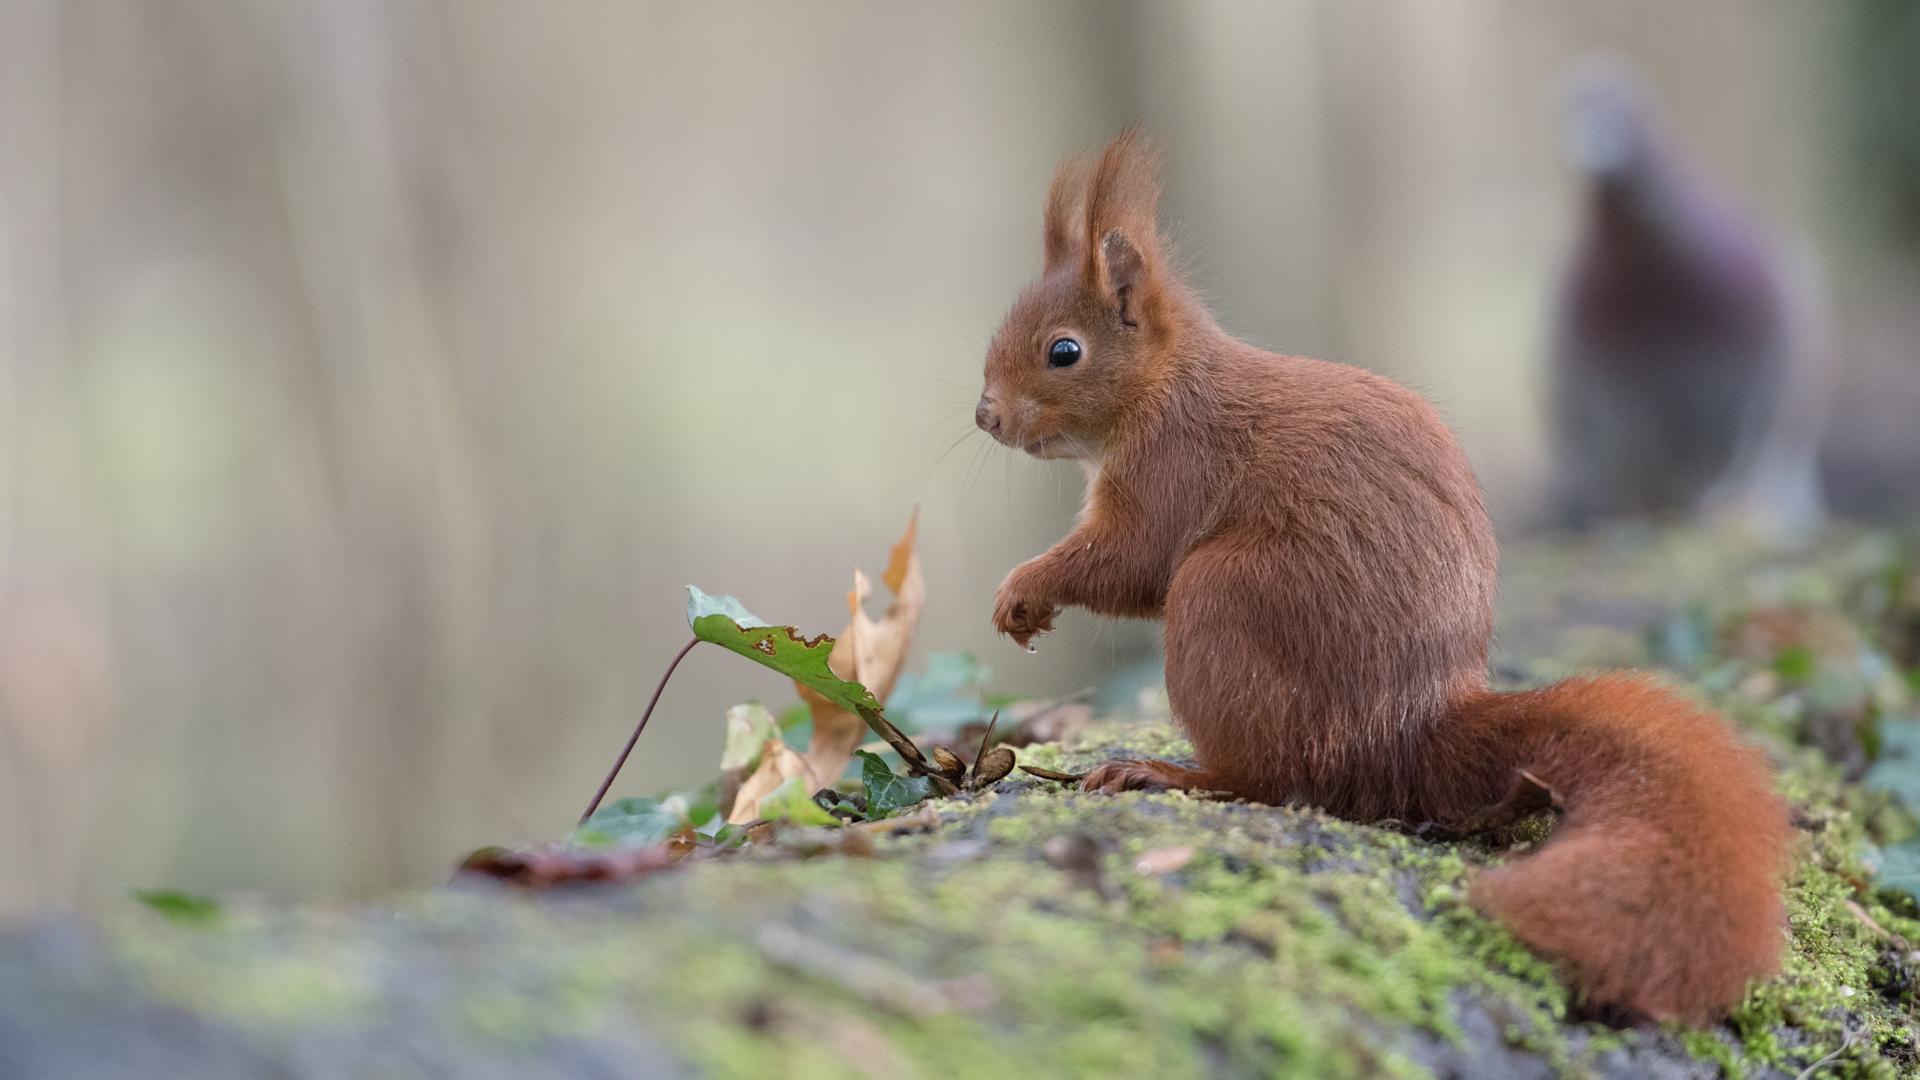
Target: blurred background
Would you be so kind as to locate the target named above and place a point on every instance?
(373, 375)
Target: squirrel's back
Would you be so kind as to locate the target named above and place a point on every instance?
(1362, 566)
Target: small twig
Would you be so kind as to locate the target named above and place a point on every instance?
(1879, 931)
(638, 728)
(1853, 1034)
(1054, 775)
(925, 819)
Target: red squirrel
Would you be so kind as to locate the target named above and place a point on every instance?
(1316, 543)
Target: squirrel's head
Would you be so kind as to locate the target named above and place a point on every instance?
(1085, 341)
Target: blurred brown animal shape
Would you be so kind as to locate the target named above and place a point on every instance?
(1688, 354)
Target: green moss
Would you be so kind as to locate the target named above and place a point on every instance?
(227, 974)
(498, 1013)
(1297, 957)
(1712, 1045)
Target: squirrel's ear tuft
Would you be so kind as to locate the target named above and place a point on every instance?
(1125, 279)
(1125, 267)
(1066, 219)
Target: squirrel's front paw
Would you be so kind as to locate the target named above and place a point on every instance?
(1022, 610)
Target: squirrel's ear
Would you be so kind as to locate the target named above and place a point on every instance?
(1125, 280)
(1125, 266)
(1066, 220)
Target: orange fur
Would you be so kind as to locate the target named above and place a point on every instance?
(1317, 545)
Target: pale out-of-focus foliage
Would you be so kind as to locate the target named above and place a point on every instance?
(374, 373)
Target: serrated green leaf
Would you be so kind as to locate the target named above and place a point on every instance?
(700, 605)
(633, 823)
(780, 648)
(180, 907)
(792, 801)
(804, 661)
(887, 791)
(749, 726)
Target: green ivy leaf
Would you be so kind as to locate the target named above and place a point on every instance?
(180, 907)
(887, 791)
(792, 801)
(719, 620)
(633, 823)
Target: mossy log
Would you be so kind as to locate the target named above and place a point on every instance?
(1033, 930)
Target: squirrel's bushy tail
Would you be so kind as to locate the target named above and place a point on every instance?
(1660, 889)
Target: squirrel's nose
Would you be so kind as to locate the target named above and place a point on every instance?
(985, 415)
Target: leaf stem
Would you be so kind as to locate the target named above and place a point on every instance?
(638, 728)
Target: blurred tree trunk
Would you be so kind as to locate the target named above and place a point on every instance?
(53, 649)
(380, 219)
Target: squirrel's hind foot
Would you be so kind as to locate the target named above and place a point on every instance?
(1113, 777)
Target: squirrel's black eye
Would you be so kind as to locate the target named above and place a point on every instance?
(1063, 352)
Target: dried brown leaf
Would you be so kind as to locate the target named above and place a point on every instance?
(870, 651)
(948, 764)
(986, 740)
(749, 728)
(900, 559)
(558, 864)
(994, 766)
(778, 763)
